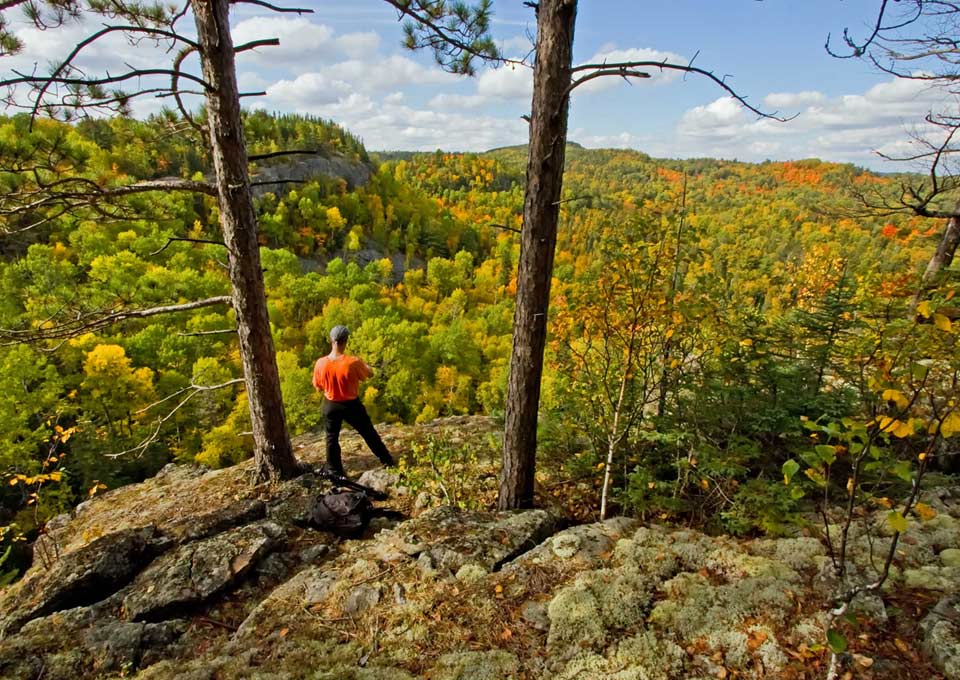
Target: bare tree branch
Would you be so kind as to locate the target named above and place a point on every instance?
(221, 331)
(194, 391)
(253, 44)
(23, 79)
(270, 182)
(627, 68)
(273, 8)
(855, 49)
(276, 154)
(58, 75)
(94, 321)
(175, 90)
(189, 240)
(63, 196)
(621, 72)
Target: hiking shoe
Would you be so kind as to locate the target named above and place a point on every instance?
(332, 473)
(388, 462)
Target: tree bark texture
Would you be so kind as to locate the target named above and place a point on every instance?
(272, 450)
(541, 210)
(945, 249)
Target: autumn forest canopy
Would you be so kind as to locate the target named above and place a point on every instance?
(737, 319)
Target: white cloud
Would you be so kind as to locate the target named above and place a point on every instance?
(507, 82)
(792, 100)
(389, 123)
(308, 90)
(303, 44)
(249, 81)
(720, 119)
(457, 101)
(359, 45)
(623, 140)
(844, 128)
(516, 47)
(386, 73)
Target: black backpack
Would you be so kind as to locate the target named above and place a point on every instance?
(343, 513)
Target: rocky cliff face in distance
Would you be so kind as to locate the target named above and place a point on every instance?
(198, 575)
(284, 173)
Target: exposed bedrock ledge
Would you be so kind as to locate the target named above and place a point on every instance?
(195, 572)
(83, 577)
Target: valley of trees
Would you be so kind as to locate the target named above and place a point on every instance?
(715, 326)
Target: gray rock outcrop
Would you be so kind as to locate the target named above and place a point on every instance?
(280, 176)
(941, 637)
(88, 575)
(195, 572)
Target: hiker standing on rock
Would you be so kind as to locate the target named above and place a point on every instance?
(338, 376)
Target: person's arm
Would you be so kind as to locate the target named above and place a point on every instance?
(363, 371)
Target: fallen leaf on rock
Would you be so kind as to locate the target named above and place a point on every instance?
(240, 562)
(755, 639)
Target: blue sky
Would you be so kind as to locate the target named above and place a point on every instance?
(345, 62)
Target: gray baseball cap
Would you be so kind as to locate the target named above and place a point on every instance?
(339, 334)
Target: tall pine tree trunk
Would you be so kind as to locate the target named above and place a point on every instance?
(541, 209)
(272, 450)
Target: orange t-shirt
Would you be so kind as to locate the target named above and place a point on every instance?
(340, 378)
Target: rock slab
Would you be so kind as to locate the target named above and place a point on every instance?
(196, 571)
(83, 577)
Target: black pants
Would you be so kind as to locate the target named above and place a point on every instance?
(334, 413)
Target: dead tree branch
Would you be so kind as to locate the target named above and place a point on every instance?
(193, 390)
(628, 69)
(188, 240)
(273, 8)
(93, 321)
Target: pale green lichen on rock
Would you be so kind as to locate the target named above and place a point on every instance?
(735, 645)
(771, 655)
(950, 557)
(639, 657)
(622, 595)
(690, 548)
(565, 545)
(694, 607)
(354, 673)
(735, 564)
(943, 530)
(941, 637)
(933, 577)
(650, 559)
(471, 573)
(732, 644)
(800, 553)
(574, 619)
(490, 665)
